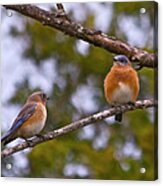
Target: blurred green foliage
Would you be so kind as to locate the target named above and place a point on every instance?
(109, 161)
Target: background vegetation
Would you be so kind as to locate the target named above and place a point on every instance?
(72, 73)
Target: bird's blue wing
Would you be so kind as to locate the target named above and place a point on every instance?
(26, 112)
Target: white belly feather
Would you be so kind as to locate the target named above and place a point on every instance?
(123, 94)
(33, 129)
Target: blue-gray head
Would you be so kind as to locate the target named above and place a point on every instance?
(121, 60)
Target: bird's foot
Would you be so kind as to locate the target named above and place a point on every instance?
(115, 105)
(40, 136)
(131, 103)
(29, 142)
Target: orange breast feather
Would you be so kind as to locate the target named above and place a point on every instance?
(34, 123)
(121, 74)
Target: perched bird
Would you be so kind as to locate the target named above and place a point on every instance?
(31, 119)
(121, 84)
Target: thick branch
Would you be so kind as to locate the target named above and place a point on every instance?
(79, 124)
(60, 21)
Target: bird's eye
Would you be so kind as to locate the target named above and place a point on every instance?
(123, 61)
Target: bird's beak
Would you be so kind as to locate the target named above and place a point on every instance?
(115, 59)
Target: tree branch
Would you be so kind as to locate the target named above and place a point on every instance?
(79, 124)
(61, 22)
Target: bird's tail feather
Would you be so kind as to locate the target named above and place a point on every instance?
(6, 138)
(118, 117)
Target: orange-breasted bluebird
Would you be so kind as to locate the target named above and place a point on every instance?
(31, 119)
(121, 84)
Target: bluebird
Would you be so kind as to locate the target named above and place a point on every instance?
(121, 84)
(31, 119)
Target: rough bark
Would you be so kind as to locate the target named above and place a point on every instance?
(78, 124)
(62, 22)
